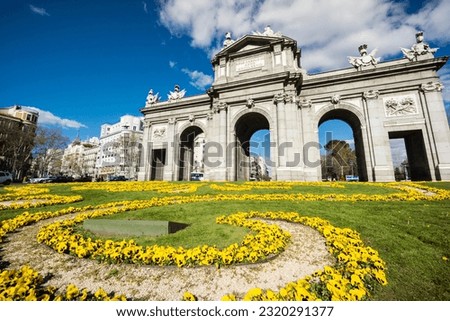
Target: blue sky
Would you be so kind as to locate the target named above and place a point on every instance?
(85, 63)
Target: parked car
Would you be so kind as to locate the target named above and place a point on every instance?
(5, 178)
(351, 178)
(38, 180)
(197, 176)
(118, 178)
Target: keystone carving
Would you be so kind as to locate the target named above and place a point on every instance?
(335, 99)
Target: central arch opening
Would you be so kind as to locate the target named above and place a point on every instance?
(252, 147)
(342, 156)
(192, 142)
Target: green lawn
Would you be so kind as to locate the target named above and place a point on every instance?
(412, 237)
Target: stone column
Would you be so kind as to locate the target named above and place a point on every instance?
(379, 148)
(146, 143)
(310, 151)
(217, 143)
(279, 101)
(169, 171)
(439, 135)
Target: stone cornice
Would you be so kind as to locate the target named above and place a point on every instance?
(384, 69)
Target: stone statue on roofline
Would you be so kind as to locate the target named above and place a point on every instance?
(228, 41)
(419, 50)
(365, 59)
(268, 32)
(151, 99)
(176, 94)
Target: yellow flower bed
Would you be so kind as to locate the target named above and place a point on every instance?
(248, 186)
(151, 186)
(266, 240)
(26, 284)
(23, 191)
(358, 267)
(30, 196)
(357, 270)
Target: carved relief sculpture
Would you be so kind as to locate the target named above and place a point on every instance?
(159, 133)
(365, 59)
(420, 48)
(400, 106)
(176, 94)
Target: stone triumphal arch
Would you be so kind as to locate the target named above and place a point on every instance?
(259, 84)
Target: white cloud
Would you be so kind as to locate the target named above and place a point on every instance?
(398, 151)
(47, 118)
(145, 6)
(39, 11)
(327, 31)
(198, 79)
(444, 74)
(172, 63)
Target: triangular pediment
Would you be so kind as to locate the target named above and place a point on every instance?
(248, 47)
(256, 55)
(251, 43)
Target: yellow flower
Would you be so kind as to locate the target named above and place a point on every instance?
(188, 296)
(228, 297)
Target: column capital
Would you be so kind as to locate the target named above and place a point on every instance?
(290, 98)
(303, 102)
(431, 86)
(172, 120)
(371, 94)
(279, 98)
(147, 123)
(219, 106)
